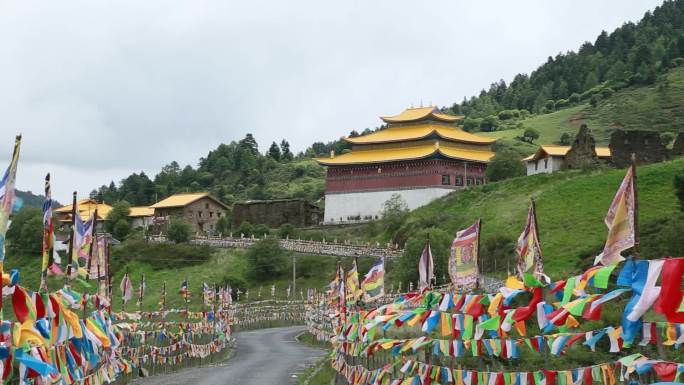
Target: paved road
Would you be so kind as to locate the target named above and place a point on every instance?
(262, 357)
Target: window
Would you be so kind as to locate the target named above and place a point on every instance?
(199, 214)
(546, 163)
(211, 214)
(218, 215)
(446, 180)
(470, 181)
(536, 165)
(478, 181)
(206, 205)
(458, 180)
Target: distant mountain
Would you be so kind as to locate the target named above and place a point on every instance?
(33, 200)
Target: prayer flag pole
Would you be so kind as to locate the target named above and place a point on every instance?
(70, 255)
(47, 235)
(637, 248)
(478, 264)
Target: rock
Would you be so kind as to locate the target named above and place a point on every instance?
(582, 153)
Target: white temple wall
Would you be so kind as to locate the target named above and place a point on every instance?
(340, 206)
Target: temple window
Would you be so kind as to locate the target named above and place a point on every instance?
(469, 181)
(458, 181)
(446, 180)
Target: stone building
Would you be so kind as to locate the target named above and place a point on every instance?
(646, 145)
(200, 210)
(273, 213)
(421, 155)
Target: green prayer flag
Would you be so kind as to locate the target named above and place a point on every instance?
(578, 308)
(567, 291)
(490, 324)
(602, 275)
(530, 281)
(468, 326)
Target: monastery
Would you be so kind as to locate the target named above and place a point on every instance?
(421, 155)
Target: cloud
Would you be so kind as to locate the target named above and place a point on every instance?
(102, 89)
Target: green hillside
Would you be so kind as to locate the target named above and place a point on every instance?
(570, 208)
(655, 107)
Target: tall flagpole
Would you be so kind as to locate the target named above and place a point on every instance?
(47, 235)
(70, 255)
(478, 264)
(637, 247)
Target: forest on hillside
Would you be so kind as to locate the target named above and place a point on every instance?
(634, 55)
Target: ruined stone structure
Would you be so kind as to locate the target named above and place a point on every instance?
(582, 153)
(646, 145)
(273, 213)
(678, 146)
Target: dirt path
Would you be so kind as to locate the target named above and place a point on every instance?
(262, 357)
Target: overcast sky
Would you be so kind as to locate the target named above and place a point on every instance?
(101, 89)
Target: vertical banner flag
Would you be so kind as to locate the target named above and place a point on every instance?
(463, 258)
(184, 291)
(341, 288)
(7, 196)
(620, 222)
(48, 231)
(426, 267)
(374, 282)
(141, 290)
(353, 287)
(97, 265)
(528, 247)
(126, 288)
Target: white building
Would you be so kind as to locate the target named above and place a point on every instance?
(551, 158)
(141, 216)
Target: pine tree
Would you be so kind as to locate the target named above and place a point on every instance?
(274, 151)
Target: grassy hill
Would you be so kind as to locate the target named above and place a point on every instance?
(657, 107)
(570, 208)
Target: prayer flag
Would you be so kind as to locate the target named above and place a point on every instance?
(353, 287)
(425, 268)
(7, 195)
(126, 288)
(374, 282)
(48, 231)
(528, 248)
(463, 260)
(620, 222)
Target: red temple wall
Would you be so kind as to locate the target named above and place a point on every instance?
(403, 175)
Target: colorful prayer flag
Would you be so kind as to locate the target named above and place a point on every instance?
(48, 231)
(425, 268)
(528, 247)
(463, 269)
(126, 288)
(374, 282)
(353, 287)
(7, 195)
(620, 222)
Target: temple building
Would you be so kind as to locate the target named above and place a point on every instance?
(421, 155)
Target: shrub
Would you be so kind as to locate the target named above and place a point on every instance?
(393, 212)
(25, 235)
(286, 230)
(550, 105)
(574, 98)
(560, 103)
(260, 230)
(490, 123)
(594, 101)
(471, 124)
(245, 229)
(530, 135)
(565, 139)
(121, 229)
(266, 260)
(505, 164)
(178, 231)
(119, 211)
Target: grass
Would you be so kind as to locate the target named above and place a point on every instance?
(570, 210)
(657, 107)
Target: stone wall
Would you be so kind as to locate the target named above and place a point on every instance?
(646, 145)
(273, 213)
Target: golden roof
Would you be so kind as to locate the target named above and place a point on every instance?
(86, 208)
(182, 200)
(141, 211)
(420, 113)
(406, 153)
(420, 131)
(546, 150)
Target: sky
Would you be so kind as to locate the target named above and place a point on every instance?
(101, 89)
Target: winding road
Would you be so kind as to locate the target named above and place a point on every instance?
(262, 357)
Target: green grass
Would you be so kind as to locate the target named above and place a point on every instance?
(570, 210)
(657, 107)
